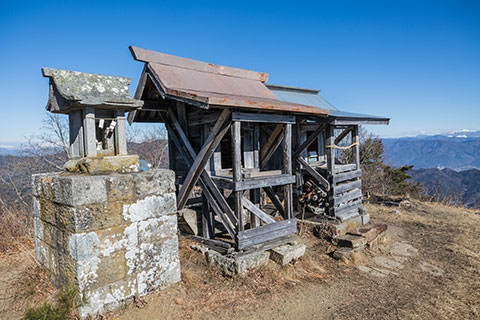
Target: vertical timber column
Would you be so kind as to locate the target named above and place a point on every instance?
(255, 193)
(76, 134)
(237, 170)
(356, 147)
(298, 138)
(120, 134)
(331, 163)
(287, 169)
(208, 231)
(90, 133)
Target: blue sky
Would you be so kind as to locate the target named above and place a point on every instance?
(417, 62)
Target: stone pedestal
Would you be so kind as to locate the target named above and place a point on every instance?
(112, 236)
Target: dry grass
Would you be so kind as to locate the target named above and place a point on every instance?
(16, 229)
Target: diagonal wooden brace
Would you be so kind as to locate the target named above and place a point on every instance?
(198, 165)
(208, 186)
(271, 145)
(213, 194)
(315, 175)
(309, 140)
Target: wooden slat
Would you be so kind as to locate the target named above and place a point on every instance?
(314, 173)
(267, 245)
(251, 237)
(346, 207)
(347, 187)
(347, 176)
(220, 246)
(261, 182)
(339, 168)
(352, 195)
(211, 143)
(262, 117)
(256, 211)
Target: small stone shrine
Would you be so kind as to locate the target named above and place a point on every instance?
(101, 225)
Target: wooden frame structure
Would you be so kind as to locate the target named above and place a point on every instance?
(233, 143)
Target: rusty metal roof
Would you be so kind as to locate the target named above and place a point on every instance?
(205, 84)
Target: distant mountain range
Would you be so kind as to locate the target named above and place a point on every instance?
(456, 187)
(459, 150)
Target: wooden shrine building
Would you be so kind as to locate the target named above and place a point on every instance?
(235, 142)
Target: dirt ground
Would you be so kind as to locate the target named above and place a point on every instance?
(428, 268)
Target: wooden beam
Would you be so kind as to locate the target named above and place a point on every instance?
(276, 202)
(314, 173)
(271, 140)
(287, 169)
(342, 135)
(346, 207)
(356, 147)
(271, 146)
(256, 211)
(339, 168)
(271, 231)
(261, 182)
(352, 195)
(311, 138)
(339, 189)
(262, 117)
(330, 137)
(237, 171)
(213, 194)
(211, 143)
(347, 176)
(220, 246)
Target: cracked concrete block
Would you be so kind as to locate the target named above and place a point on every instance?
(286, 253)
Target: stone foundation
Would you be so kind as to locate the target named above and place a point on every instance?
(112, 236)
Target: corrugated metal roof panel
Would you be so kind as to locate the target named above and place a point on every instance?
(312, 98)
(302, 97)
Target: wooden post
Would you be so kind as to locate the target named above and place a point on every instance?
(287, 169)
(331, 163)
(120, 134)
(208, 230)
(90, 132)
(237, 170)
(255, 193)
(76, 134)
(356, 147)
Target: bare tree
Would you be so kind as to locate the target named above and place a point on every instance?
(51, 144)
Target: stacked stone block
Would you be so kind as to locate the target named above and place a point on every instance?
(112, 236)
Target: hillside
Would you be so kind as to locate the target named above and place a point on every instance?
(456, 186)
(434, 152)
